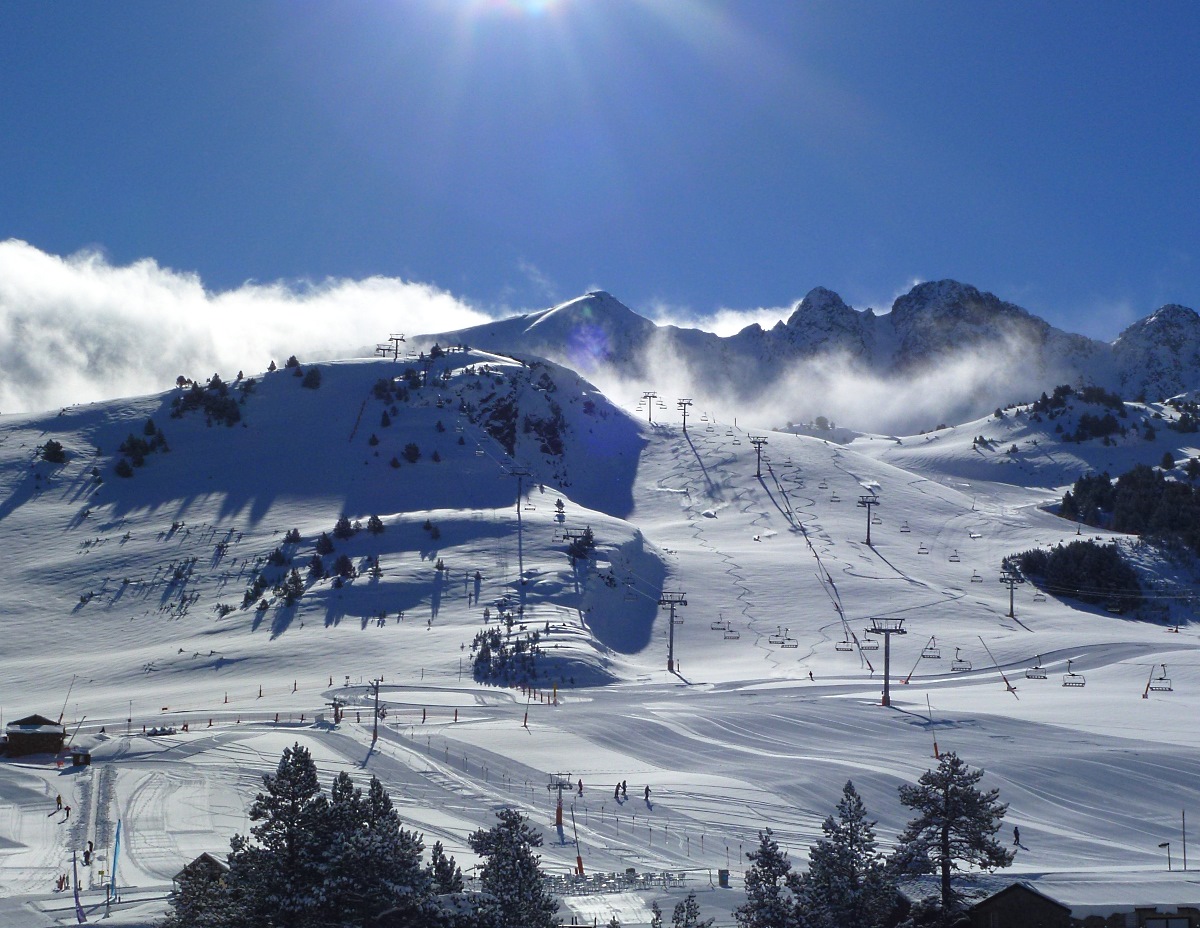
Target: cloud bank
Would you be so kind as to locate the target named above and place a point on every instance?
(77, 329)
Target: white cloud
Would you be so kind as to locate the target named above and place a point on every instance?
(78, 328)
(724, 321)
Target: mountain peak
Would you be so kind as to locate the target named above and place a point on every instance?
(819, 302)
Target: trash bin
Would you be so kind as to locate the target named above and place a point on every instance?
(723, 879)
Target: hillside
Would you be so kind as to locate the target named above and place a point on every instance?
(137, 587)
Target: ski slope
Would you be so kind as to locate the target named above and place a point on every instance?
(116, 584)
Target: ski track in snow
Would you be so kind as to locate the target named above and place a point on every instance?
(127, 576)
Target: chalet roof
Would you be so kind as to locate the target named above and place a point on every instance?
(1021, 887)
(205, 861)
(32, 724)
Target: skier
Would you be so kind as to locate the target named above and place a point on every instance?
(1016, 836)
(617, 792)
(581, 786)
(67, 809)
(811, 677)
(58, 802)
(647, 794)
(624, 790)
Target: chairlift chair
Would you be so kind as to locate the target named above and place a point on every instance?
(1037, 671)
(961, 664)
(1070, 678)
(905, 528)
(737, 441)
(921, 549)
(788, 642)
(931, 651)
(954, 558)
(732, 634)
(718, 626)
(844, 645)
(1039, 597)
(975, 578)
(823, 485)
(835, 498)
(778, 637)
(876, 520)
(1161, 683)
(869, 644)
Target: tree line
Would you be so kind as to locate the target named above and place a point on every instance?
(345, 861)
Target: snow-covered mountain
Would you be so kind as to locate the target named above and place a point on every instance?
(935, 325)
(167, 596)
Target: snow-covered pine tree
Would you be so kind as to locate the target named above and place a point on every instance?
(847, 881)
(278, 877)
(199, 900)
(511, 879)
(372, 864)
(770, 900)
(444, 871)
(955, 822)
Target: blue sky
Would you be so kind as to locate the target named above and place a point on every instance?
(686, 155)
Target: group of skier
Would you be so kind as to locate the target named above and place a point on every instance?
(620, 792)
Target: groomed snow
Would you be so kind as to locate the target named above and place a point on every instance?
(739, 739)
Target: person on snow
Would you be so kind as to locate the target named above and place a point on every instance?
(58, 802)
(581, 786)
(617, 792)
(1016, 836)
(624, 790)
(647, 794)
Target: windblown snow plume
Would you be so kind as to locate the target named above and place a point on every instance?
(78, 328)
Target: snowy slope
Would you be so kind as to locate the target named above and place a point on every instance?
(120, 583)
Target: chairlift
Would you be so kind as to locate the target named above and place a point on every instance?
(1114, 607)
(905, 528)
(876, 520)
(729, 434)
(960, 664)
(529, 507)
(844, 645)
(1161, 683)
(1039, 597)
(732, 634)
(921, 549)
(823, 485)
(835, 498)
(975, 578)
(1037, 671)
(788, 642)
(718, 626)
(709, 428)
(931, 652)
(737, 441)
(954, 558)
(869, 644)
(1070, 678)
(778, 637)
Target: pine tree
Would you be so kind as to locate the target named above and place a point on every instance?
(375, 525)
(199, 901)
(770, 902)
(342, 528)
(444, 872)
(372, 864)
(955, 823)
(847, 881)
(511, 879)
(687, 914)
(324, 544)
(279, 876)
(293, 587)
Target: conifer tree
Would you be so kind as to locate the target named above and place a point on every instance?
(847, 881)
(511, 879)
(444, 872)
(687, 914)
(279, 875)
(955, 823)
(770, 901)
